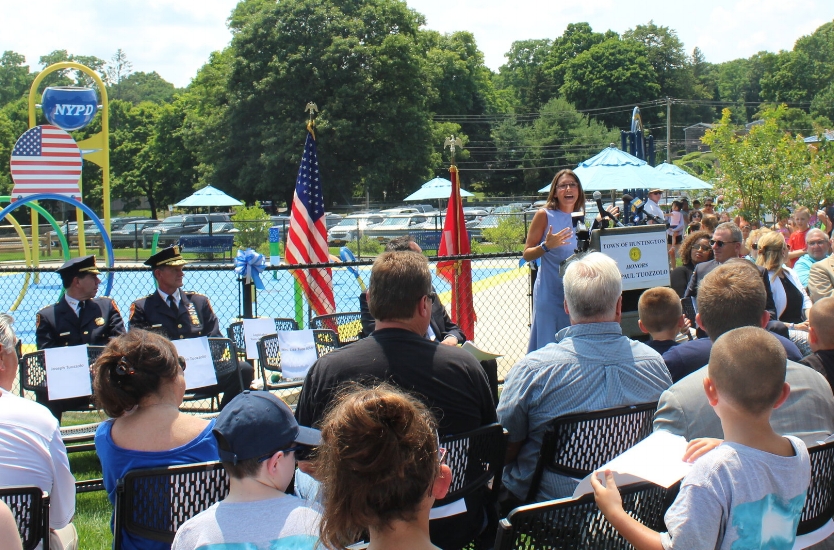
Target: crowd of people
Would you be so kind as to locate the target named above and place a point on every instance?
(360, 458)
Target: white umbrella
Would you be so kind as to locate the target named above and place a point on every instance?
(438, 188)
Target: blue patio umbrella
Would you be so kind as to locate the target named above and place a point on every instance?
(616, 169)
(438, 188)
(685, 179)
(208, 196)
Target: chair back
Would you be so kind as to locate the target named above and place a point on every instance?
(566, 524)
(153, 503)
(475, 458)
(32, 367)
(575, 445)
(347, 325)
(269, 354)
(30, 508)
(819, 501)
(236, 334)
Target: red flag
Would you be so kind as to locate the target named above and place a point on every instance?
(307, 236)
(455, 241)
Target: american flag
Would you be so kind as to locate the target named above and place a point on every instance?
(46, 159)
(307, 236)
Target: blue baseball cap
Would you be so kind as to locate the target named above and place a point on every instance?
(255, 424)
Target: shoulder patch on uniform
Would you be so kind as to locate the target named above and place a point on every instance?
(115, 306)
(37, 320)
(132, 310)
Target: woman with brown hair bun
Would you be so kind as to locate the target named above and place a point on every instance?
(380, 469)
(140, 382)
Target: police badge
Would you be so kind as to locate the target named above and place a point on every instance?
(99, 321)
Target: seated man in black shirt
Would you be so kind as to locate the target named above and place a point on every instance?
(183, 314)
(447, 379)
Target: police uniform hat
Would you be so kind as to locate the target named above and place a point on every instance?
(167, 256)
(79, 266)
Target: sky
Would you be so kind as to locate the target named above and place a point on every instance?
(175, 37)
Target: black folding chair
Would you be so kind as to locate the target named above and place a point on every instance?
(153, 503)
(347, 325)
(236, 334)
(819, 501)
(476, 459)
(269, 357)
(30, 508)
(575, 445)
(567, 524)
(32, 369)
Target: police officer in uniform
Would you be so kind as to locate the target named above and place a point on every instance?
(76, 319)
(182, 314)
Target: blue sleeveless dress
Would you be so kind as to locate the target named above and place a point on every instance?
(549, 315)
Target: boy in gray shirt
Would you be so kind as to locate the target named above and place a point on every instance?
(748, 491)
(257, 437)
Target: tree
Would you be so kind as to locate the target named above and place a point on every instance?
(117, 70)
(524, 74)
(764, 170)
(138, 87)
(577, 38)
(253, 229)
(14, 77)
(359, 61)
(666, 55)
(804, 72)
(70, 77)
(610, 73)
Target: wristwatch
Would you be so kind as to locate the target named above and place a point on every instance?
(543, 244)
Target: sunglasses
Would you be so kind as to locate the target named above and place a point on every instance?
(441, 455)
(181, 361)
(302, 452)
(701, 247)
(720, 244)
(432, 296)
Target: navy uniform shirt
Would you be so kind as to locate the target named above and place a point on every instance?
(194, 317)
(58, 325)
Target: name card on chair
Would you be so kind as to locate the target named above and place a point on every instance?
(67, 372)
(254, 330)
(298, 352)
(199, 371)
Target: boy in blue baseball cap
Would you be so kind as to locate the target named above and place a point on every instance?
(257, 438)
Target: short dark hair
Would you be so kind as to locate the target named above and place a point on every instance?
(400, 244)
(659, 309)
(398, 281)
(731, 296)
(748, 366)
(241, 470)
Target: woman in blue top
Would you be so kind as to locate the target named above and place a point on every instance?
(140, 383)
(552, 239)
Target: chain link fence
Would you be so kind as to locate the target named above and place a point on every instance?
(501, 291)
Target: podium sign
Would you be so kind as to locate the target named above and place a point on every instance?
(641, 254)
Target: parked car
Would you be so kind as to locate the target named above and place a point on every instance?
(351, 227)
(401, 224)
(130, 235)
(174, 227)
(218, 228)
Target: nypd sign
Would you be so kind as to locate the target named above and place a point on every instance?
(68, 107)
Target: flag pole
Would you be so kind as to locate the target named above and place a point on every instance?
(452, 142)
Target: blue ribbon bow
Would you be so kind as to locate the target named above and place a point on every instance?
(250, 264)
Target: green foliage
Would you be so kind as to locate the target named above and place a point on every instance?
(763, 170)
(254, 232)
(366, 246)
(14, 77)
(508, 235)
(139, 87)
(475, 247)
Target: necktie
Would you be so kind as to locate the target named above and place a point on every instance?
(173, 305)
(81, 308)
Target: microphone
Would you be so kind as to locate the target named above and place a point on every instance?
(627, 207)
(602, 211)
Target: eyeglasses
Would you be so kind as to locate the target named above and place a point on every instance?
(570, 185)
(432, 296)
(719, 244)
(701, 247)
(181, 361)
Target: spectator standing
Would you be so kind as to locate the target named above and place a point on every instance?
(258, 440)
(819, 247)
(796, 242)
(752, 243)
(551, 240)
(584, 370)
(784, 223)
(694, 250)
(749, 491)
(652, 207)
(31, 449)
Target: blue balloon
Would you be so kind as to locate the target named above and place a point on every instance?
(68, 107)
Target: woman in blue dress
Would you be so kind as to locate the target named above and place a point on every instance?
(552, 239)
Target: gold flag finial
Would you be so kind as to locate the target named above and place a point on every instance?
(311, 123)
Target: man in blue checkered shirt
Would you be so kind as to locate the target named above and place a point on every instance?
(590, 367)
